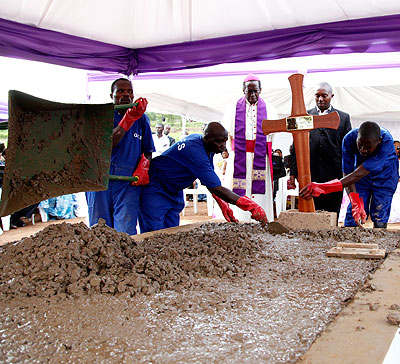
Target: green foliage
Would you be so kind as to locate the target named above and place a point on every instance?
(4, 136)
(176, 124)
(173, 120)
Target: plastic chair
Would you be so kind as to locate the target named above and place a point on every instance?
(43, 214)
(283, 193)
(5, 220)
(201, 189)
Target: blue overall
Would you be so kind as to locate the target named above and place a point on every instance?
(119, 204)
(378, 187)
(171, 172)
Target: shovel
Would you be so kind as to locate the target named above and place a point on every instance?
(274, 227)
(55, 149)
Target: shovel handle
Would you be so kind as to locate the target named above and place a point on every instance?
(123, 178)
(125, 106)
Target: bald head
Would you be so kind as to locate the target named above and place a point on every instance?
(214, 128)
(215, 137)
(369, 130)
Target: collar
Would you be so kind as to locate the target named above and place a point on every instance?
(327, 111)
(248, 103)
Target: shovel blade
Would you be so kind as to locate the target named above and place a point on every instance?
(54, 149)
(274, 227)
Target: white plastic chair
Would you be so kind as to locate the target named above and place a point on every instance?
(43, 214)
(201, 189)
(5, 220)
(283, 193)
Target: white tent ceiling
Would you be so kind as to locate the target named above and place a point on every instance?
(143, 23)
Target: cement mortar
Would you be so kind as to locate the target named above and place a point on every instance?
(296, 220)
(220, 293)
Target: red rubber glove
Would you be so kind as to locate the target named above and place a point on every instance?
(142, 172)
(257, 212)
(357, 208)
(133, 114)
(315, 189)
(226, 210)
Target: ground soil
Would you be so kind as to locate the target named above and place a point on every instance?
(210, 320)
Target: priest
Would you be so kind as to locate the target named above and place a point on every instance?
(248, 170)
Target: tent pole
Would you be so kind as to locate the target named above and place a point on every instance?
(183, 126)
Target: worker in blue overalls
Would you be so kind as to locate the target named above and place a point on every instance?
(371, 170)
(132, 146)
(178, 167)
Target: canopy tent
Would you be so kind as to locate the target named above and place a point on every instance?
(135, 36)
(151, 37)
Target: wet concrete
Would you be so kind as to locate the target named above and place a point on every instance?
(220, 293)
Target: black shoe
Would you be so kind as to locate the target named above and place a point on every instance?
(380, 225)
(16, 223)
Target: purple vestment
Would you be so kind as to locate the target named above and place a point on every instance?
(259, 163)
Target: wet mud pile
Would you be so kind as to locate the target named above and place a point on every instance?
(221, 293)
(67, 259)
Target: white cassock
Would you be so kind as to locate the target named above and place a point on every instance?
(265, 200)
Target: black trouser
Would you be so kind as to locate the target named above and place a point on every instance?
(276, 187)
(25, 212)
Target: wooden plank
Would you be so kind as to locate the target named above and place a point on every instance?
(356, 253)
(358, 245)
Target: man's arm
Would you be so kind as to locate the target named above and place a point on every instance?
(130, 116)
(148, 155)
(117, 135)
(348, 182)
(225, 194)
(357, 203)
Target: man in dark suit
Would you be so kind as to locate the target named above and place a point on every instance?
(325, 150)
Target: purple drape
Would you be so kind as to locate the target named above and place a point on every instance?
(35, 44)
(371, 35)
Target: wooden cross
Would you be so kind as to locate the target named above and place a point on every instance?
(299, 123)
